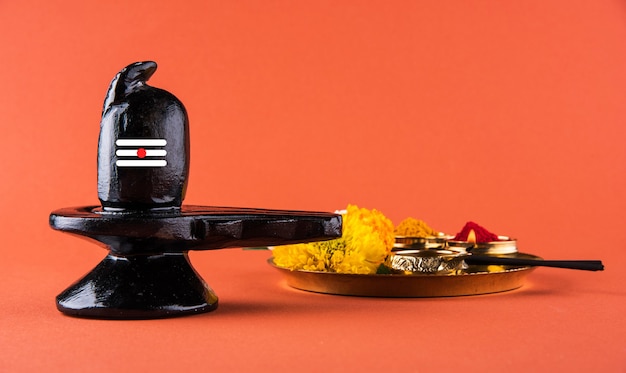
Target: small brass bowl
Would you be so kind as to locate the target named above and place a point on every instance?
(504, 245)
(427, 261)
(419, 243)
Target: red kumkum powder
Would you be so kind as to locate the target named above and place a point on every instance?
(482, 235)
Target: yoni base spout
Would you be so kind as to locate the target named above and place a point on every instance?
(139, 287)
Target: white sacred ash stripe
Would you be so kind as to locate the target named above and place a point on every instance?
(141, 163)
(141, 142)
(136, 153)
(133, 152)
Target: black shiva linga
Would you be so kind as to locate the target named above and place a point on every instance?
(143, 166)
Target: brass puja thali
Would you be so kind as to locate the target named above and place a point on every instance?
(414, 261)
(472, 280)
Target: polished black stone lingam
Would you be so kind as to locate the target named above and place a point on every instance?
(143, 167)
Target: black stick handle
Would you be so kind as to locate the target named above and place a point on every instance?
(585, 265)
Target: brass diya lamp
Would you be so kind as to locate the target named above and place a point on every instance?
(504, 245)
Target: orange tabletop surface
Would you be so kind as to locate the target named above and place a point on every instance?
(507, 113)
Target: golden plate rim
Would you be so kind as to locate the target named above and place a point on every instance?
(475, 282)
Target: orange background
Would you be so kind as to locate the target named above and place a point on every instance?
(508, 113)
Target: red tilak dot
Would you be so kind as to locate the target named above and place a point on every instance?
(141, 153)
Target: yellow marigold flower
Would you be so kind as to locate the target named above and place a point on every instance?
(366, 242)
